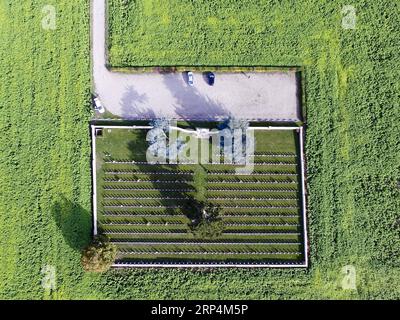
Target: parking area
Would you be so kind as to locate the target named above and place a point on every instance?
(258, 96)
(268, 96)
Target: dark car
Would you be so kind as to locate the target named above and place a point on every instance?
(210, 78)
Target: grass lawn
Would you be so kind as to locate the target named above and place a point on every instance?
(125, 144)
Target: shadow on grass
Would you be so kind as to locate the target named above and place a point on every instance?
(74, 222)
(137, 146)
(189, 205)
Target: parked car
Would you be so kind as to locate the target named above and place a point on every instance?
(98, 106)
(210, 78)
(190, 78)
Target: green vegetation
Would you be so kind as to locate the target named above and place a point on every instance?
(45, 190)
(205, 33)
(190, 213)
(352, 96)
(352, 100)
(99, 255)
(208, 224)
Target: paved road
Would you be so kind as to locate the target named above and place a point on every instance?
(258, 96)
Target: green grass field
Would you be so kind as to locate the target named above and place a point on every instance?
(352, 100)
(142, 206)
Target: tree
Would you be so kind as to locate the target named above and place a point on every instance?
(241, 141)
(238, 124)
(161, 123)
(158, 141)
(210, 212)
(161, 147)
(99, 255)
(209, 230)
(206, 223)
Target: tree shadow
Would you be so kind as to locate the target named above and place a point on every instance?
(191, 104)
(138, 146)
(74, 222)
(187, 201)
(132, 102)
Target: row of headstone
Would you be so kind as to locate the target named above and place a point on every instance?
(113, 214)
(274, 164)
(133, 162)
(142, 233)
(244, 224)
(151, 181)
(142, 226)
(141, 214)
(152, 224)
(259, 216)
(127, 171)
(232, 173)
(201, 264)
(181, 227)
(278, 155)
(206, 253)
(254, 182)
(150, 243)
(256, 163)
(146, 198)
(280, 233)
(251, 190)
(141, 206)
(155, 203)
(260, 207)
(149, 163)
(115, 188)
(251, 199)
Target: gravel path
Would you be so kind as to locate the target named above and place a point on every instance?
(255, 96)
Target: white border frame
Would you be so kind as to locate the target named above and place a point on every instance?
(94, 179)
(299, 130)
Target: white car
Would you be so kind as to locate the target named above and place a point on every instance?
(98, 106)
(190, 78)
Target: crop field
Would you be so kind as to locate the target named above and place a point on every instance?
(144, 208)
(45, 148)
(352, 102)
(197, 33)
